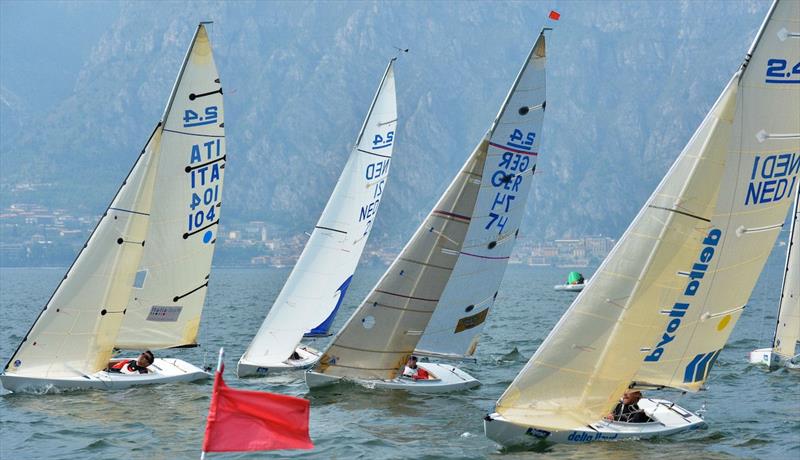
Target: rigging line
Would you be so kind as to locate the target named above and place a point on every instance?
(193, 134)
(179, 297)
(679, 212)
(190, 168)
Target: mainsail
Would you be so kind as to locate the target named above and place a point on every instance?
(787, 331)
(316, 287)
(169, 293)
(514, 140)
(78, 329)
(663, 303)
(477, 218)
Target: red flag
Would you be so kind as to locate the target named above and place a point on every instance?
(554, 15)
(242, 420)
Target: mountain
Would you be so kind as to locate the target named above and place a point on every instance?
(628, 82)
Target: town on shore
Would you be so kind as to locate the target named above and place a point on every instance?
(33, 235)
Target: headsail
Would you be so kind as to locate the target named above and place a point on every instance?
(76, 331)
(787, 331)
(316, 287)
(387, 326)
(663, 303)
(170, 288)
(513, 145)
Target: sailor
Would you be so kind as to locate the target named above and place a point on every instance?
(414, 371)
(411, 368)
(130, 366)
(628, 410)
(295, 356)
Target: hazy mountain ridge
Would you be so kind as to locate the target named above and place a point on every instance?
(627, 85)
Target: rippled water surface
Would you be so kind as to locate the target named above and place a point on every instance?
(751, 413)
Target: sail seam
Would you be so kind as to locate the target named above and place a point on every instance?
(373, 153)
(192, 134)
(128, 210)
(406, 296)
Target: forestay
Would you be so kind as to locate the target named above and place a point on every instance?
(386, 328)
(316, 287)
(663, 303)
(513, 146)
(170, 287)
(787, 331)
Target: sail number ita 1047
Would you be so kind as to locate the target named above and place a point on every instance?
(205, 173)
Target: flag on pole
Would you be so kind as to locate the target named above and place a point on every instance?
(554, 15)
(243, 420)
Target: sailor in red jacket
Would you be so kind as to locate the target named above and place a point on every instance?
(130, 366)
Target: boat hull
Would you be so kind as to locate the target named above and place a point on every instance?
(161, 371)
(670, 419)
(569, 287)
(765, 357)
(308, 355)
(449, 378)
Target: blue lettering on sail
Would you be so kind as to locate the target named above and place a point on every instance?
(772, 178)
(679, 309)
(204, 185)
(507, 178)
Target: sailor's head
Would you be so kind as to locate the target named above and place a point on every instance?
(631, 397)
(145, 359)
(412, 362)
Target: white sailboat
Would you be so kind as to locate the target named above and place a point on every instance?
(140, 280)
(453, 262)
(787, 330)
(660, 308)
(311, 297)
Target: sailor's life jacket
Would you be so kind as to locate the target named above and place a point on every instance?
(128, 366)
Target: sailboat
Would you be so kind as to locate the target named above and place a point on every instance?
(311, 297)
(787, 330)
(454, 262)
(140, 280)
(662, 305)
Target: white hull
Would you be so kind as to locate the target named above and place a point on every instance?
(161, 371)
(766, 357)
(569, 287)
(308, 357)
(448, 379)
(670, 419)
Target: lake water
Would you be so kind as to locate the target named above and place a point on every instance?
(751, 413)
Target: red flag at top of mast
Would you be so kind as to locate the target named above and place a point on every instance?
(554, 15)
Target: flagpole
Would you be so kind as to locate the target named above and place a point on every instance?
(219, 369)
(219, 362)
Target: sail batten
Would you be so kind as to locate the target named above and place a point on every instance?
(316, 288)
